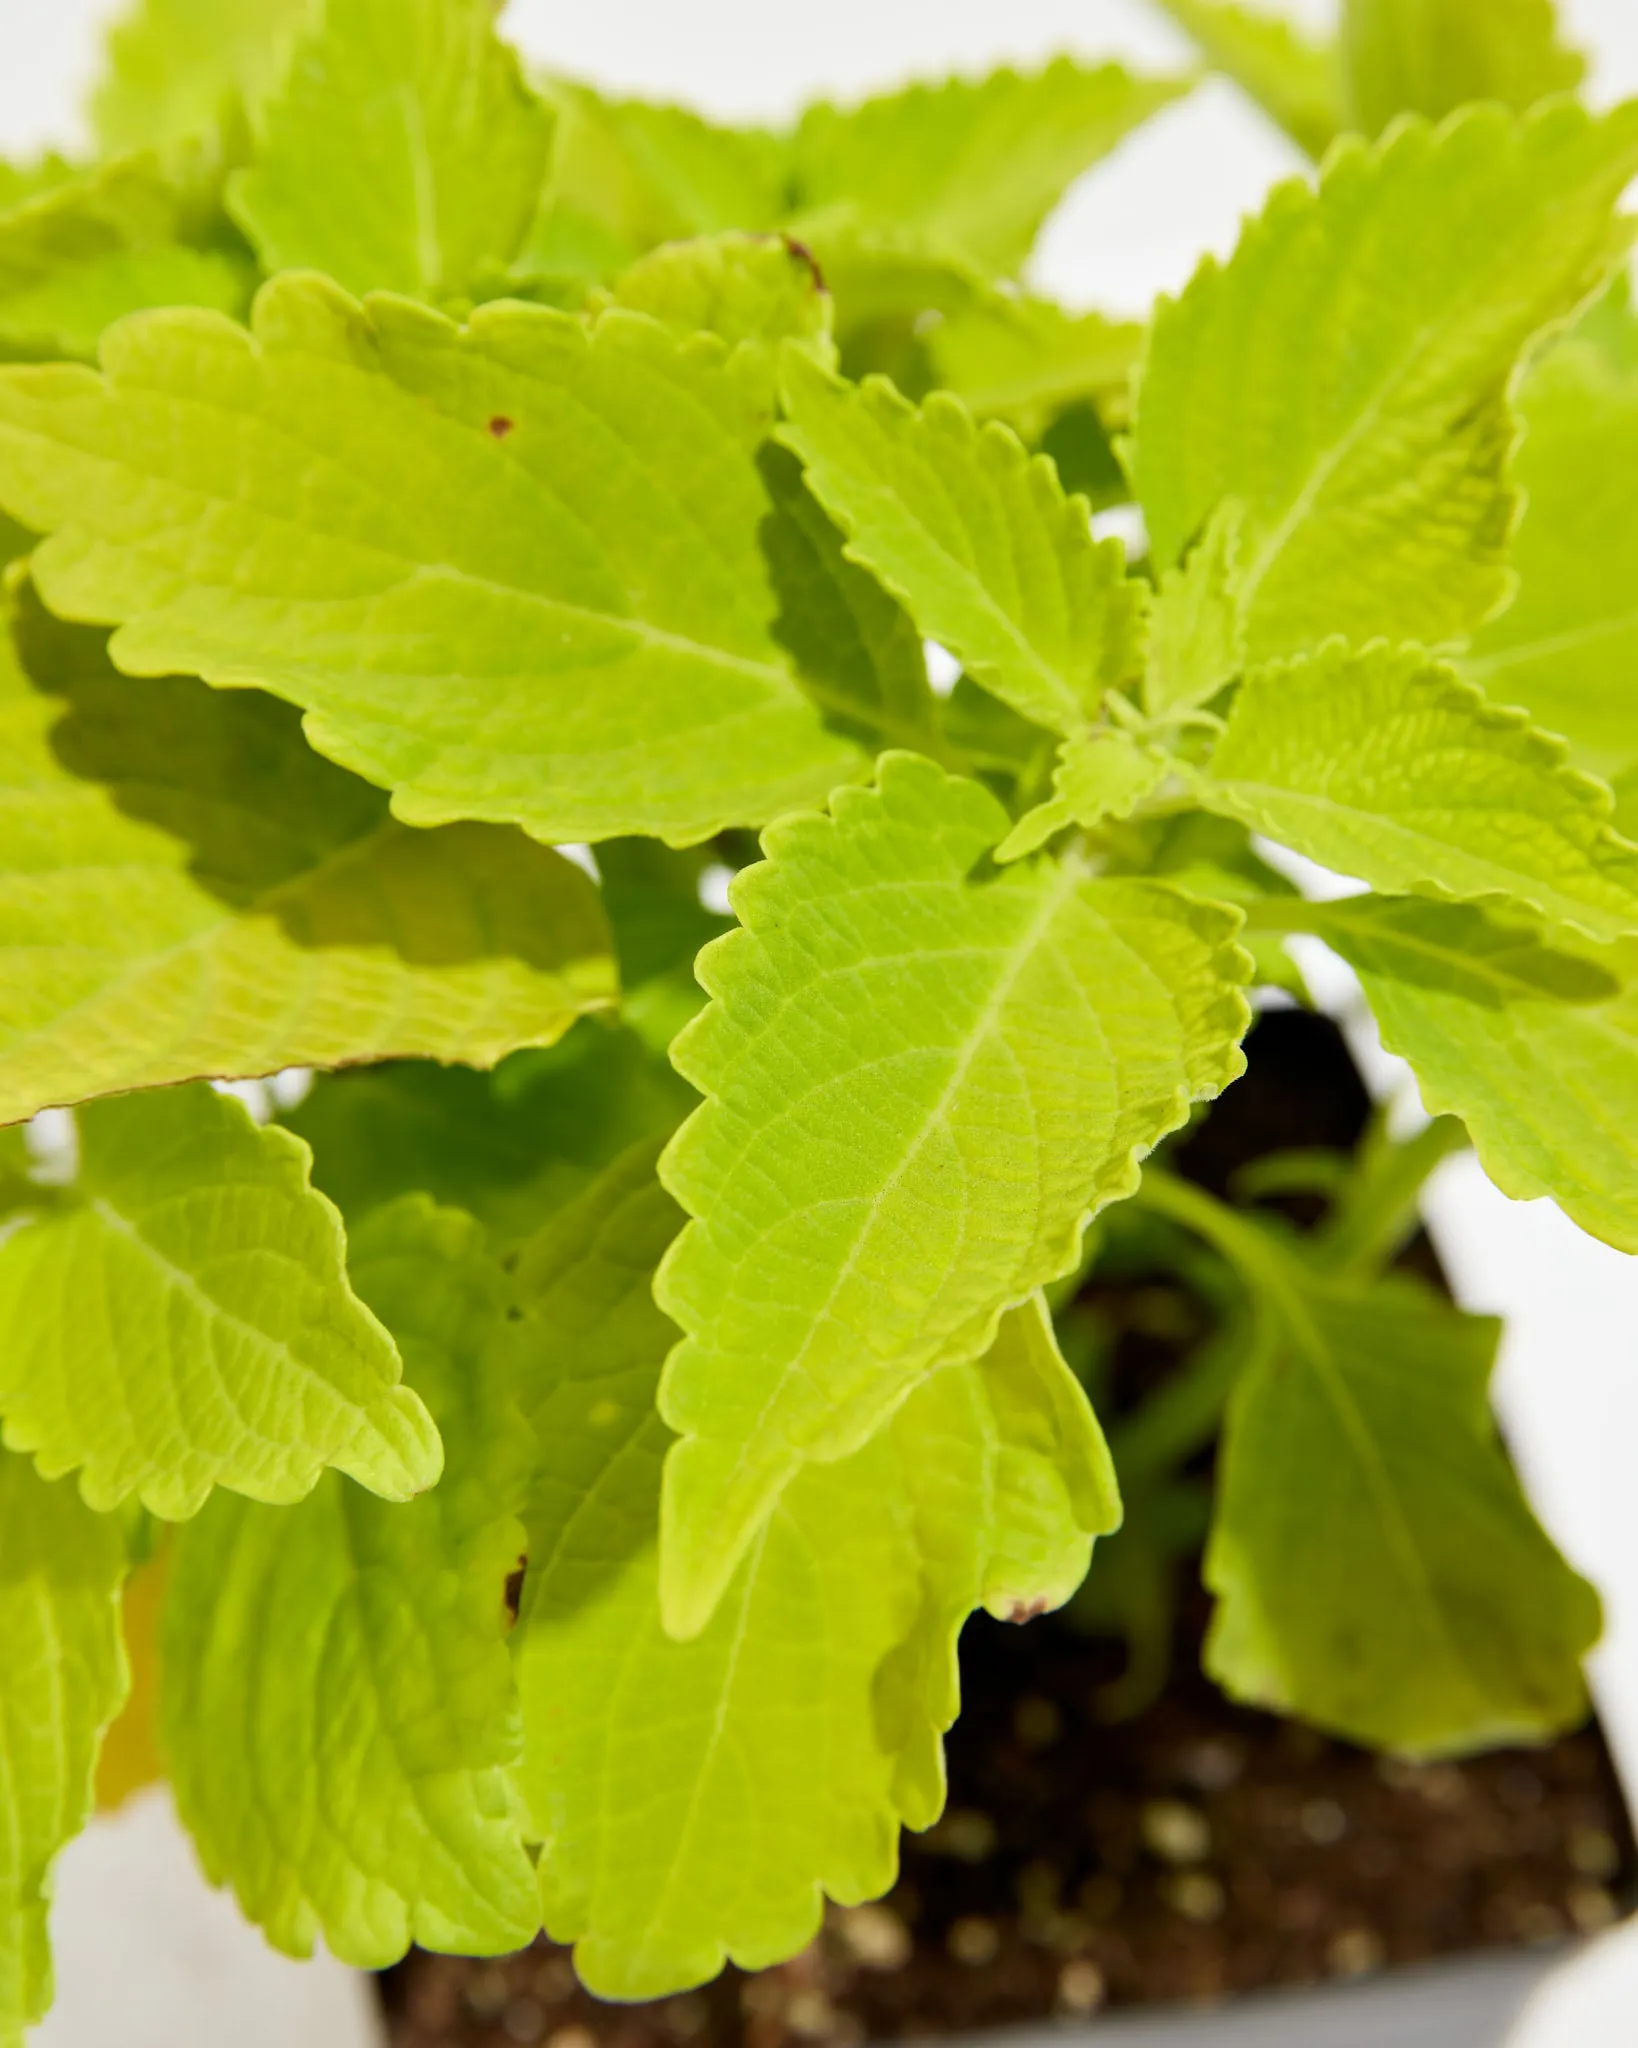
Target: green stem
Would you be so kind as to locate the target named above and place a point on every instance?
(1242, 1244)
(1381, 1200)
(1184, 1415)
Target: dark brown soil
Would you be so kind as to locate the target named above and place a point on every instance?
(1196, 1851)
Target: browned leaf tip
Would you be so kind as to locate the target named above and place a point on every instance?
(514, 1588)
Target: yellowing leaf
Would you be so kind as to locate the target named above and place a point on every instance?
(187, 890)
(403, 153)
(1345, 375)
(1386, 766)
(975, 536)
(339, 1701)
(526, 585)
(182, 1320)
(693, 1798)
(62, 1680)
(920, 1085)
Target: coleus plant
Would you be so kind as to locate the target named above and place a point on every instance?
(544, 1473)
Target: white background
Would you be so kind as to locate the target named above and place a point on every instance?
(1135, 227)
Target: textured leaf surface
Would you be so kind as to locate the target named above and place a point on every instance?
(403, 153)
(741, 287)
(1291, 77)
(694, 1798)
(526, 586)
(1385, 765)
(1099, 775)
(89, 248)
(184, 1321)
(975, 535)
(62, 1680)
(974, 168)
(1377, 1567)
(1432, 56)
(1024, 360)
(1567, 647)
(920, 1086)
(339, 1698)
(175, 68)
(187, 890)
(1533, 1045)
(1346, 374)
(1196, 639)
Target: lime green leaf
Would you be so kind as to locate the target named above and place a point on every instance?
(510, 597)
(1099, 775)
(62, 1680)
(1377, 1567)
(404, 152)
(975, 535)
(1625, 788)
(972, 168)
(176, 69)
(1024, 360)
(28, 180)
(1568, 645)
(1290, 76)
(184, 1321)
(1534, 1046)
(694, 1798)
(1346, 374)
(511, 1146)
(1211, 856)
(1385, 765)
(920, 1086)
(857, 650)
(741, 287)
(187, 890)
(1196, 640)
(1432, 56)
(628, 175)
(339, 1701)
(89, 248)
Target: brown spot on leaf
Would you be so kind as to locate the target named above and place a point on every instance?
(1027, 1610)
(500, 426)
(514, 1588)
(804, 254)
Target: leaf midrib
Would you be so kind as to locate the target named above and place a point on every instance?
(1064, 883)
